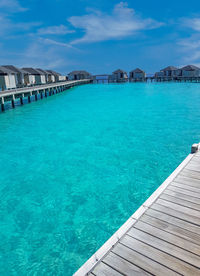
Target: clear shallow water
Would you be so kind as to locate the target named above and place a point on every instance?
(76, 165)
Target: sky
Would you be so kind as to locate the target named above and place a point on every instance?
(99, 36)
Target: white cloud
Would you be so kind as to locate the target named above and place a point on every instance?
(190, 48)
(122, 22)
(192, 23)
(58, 43)
(9, 27)
(55, 30)
(12, 5)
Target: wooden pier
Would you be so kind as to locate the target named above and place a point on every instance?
(39, 91)
(163, 236)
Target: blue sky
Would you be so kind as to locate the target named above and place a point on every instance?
(99, 36)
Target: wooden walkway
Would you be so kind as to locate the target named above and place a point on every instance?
(42, 91)
(162, 237)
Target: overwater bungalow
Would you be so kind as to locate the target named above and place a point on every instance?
(51, 76)
(119, 76)
(19, 74)
(54, 75)
(33, 76)
(190, 71)
(43, 75)
(137, 75)
(170, 71)
(7, 78)
(79, 75)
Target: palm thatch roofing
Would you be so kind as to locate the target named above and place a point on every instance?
(14, 69)
(137, 70)
(119, 71)
(5, 71)
(42, 72)
(81, 72)
(190, 68)
(53, 73)
(31, 71)
(169, 68)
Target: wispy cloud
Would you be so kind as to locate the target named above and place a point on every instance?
(190, 46)
(58, 43)
(192, 23)
(55, 30)
(9, 27)
(122, 22)
(12, 5)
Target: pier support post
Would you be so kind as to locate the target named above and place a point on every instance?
(41, 95)
(29, 97)
(13, 101)
(45, 93)
(2, 104)
(21, 99)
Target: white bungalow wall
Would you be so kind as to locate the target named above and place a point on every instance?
(61, 78)
(32, 79)
(10, 81)
(43, 79)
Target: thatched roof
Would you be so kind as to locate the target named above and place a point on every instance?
(42, 72)
(31, 71)
(53, 73)
(13, 69)
(169, 68)
(137, 70)
(190, 68)
(119, 71)
(5, 71)
(81, 72)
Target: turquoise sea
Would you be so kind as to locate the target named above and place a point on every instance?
(75, 166)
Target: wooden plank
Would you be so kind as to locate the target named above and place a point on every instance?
(180, 201)
(186, 187)
(166, 247)
(193, 167)
(174, 221)
(190, 173)
(182, 191)
(161, 257)
(176, 214)
(173, 229)
(104, 270)
(188, 181)
(142, 261)
(176, 207)
(182, 196)
(196, 159)
(123, 266)
(168, 237)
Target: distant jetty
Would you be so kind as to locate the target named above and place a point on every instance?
(20, 96)
(12, 77)
(189, 73)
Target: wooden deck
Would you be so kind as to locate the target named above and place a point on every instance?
(162, 237)
(43, 90)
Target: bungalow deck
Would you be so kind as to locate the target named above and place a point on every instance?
(163, 236)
